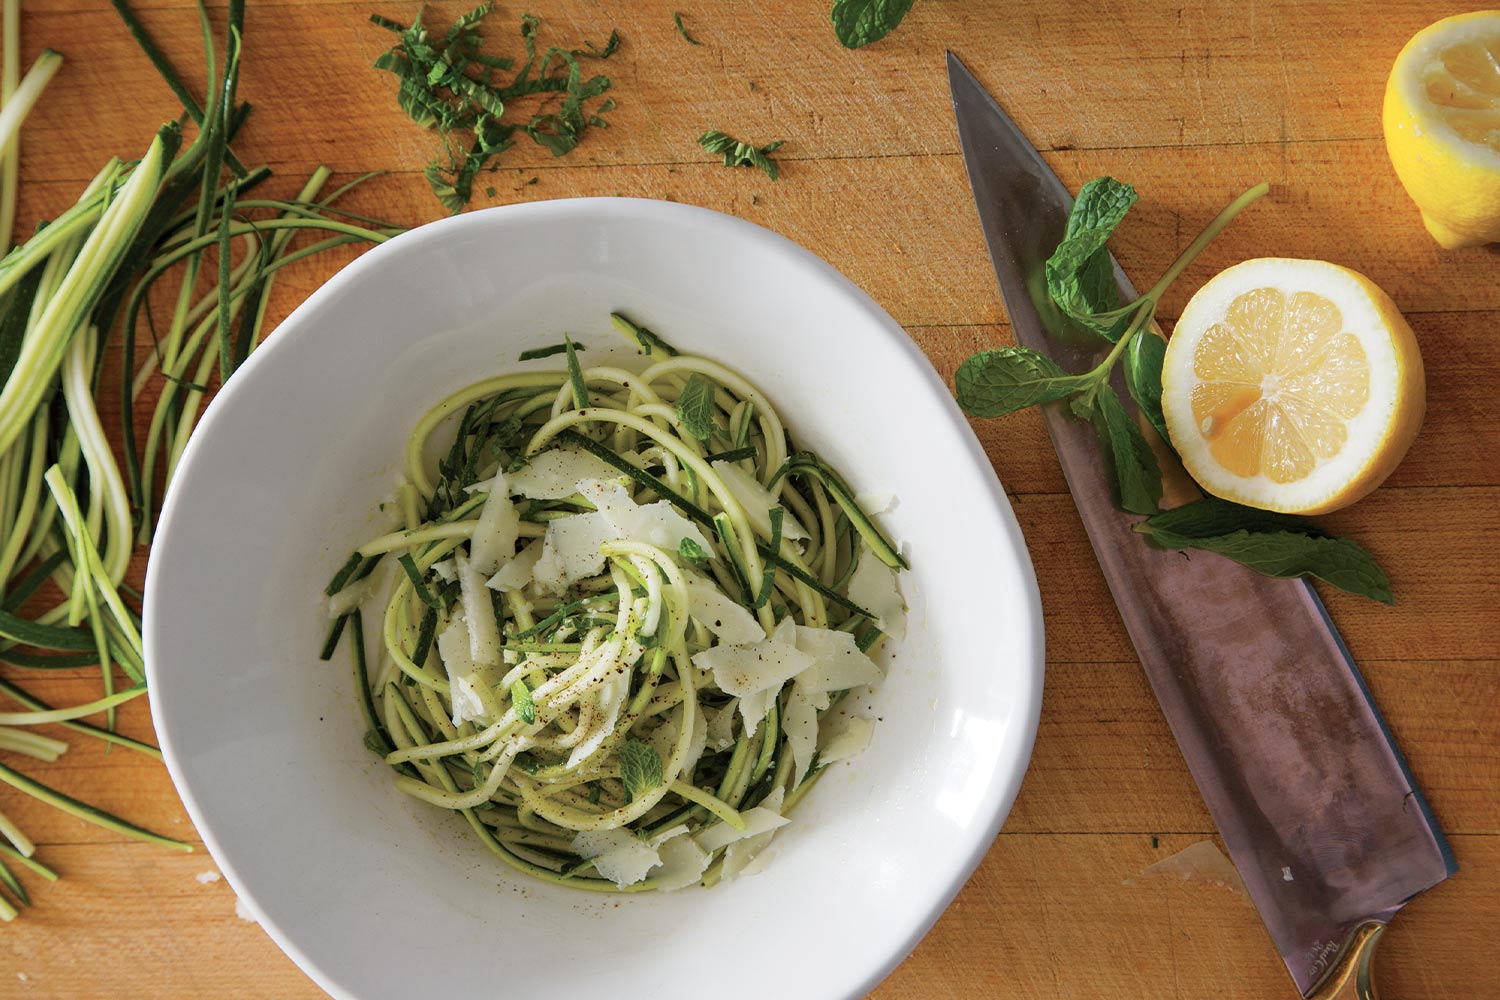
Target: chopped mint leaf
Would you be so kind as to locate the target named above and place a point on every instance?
(741, 154)
(520, 698)
(695, 407)
(677, 20)
(640, 767)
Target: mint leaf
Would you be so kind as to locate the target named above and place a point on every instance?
(695, 407)
(994, 383)
(692, 552)
(860, 22)
(1143, 359)
(1336, 561)
(520, 697)
(1213, 516)
(640, 767)
(1080, 274)
(1137, 476)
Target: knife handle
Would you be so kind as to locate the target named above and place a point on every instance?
(1353, 976)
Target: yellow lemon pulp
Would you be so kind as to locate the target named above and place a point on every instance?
(1463, 85)
(1291, 385)
(1276, 381)
(1442, 126)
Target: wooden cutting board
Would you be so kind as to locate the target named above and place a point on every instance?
(1190, 101)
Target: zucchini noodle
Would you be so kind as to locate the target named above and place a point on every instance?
(618, 620)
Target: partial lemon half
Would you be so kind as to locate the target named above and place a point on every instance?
(1442, 126)
(1292, 385)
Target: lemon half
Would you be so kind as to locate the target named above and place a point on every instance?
(1442, 126)
(1292, 385)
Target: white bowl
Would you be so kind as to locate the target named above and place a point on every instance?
(374, 894)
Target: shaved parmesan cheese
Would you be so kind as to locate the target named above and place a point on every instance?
(800, 723)
(745, 857)
(467, 705)
(839, 663)
(875, 503)
(494, 540)
(725, 617)
(658, 523)
(444, 569)
(843, 737)
(754, 707)
(743, 670)
(479, 613)
(617, 855)
(555, 474)
(683, 863)
(454, 649)
(757, 501)
(873, 587)
(757, 821)
(665, 739)
(720, 726)
(517, 573)
(755, 673)
(570, 549)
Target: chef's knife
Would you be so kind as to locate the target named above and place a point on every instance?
(1315, 803)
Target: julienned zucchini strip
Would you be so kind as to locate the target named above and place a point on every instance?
(70, 515)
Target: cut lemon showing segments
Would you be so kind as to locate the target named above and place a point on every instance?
(1292, 385)
(1442, 126)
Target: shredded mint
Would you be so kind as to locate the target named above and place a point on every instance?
(692, 552)
(695, 407)
(520, 699)
(546, 352)
(860, 22)
(449, 84)
(640, 767)
(677, 20)
(741, 154)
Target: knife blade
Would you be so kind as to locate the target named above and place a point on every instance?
(1300, 772)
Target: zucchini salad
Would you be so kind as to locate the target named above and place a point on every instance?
(621, 619)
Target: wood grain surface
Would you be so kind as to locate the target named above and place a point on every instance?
(1190, 100)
